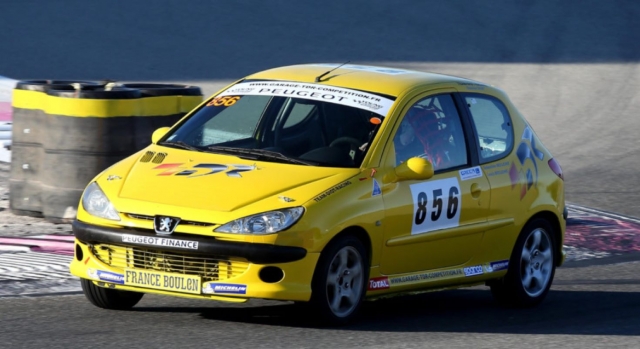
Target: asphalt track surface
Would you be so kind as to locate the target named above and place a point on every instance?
(571, 67)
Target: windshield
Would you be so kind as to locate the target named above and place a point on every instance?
(272, 122)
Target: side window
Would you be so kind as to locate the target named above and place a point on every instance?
(431, 128)
(493, 125)
(294, 112)
(298, 113)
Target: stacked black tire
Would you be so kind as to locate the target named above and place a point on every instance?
(65, 133)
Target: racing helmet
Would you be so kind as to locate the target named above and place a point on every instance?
(429, 124)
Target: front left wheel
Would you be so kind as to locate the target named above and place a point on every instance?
(107, 298)
(340, 280)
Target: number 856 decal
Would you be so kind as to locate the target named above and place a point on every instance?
(436, 205)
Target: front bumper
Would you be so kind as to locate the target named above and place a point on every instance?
(224, 270)
(191, 244)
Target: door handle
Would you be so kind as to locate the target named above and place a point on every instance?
(475, 190)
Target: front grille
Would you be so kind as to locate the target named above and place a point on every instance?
(200, 224)
(208, 268)
(139, 216)
(150, 218)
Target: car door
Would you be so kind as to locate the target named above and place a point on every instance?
(438, 222)
(511, 174)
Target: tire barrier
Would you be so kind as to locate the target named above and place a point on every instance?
(168, 103)
(28, 130)
(77, 130)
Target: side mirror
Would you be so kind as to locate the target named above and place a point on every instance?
(159, 133)
(414, 168)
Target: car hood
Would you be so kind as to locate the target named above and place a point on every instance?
(224, 183)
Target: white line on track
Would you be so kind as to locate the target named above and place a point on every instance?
(602, 213)
(34, 265)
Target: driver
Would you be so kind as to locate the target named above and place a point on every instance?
(406, 143)
(423, 134)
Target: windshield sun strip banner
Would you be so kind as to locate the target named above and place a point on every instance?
(338, 95)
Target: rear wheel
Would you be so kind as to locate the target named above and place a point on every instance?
(339, 283)
(531, 267)
(107, 298)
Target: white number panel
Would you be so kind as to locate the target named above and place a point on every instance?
(436, 205)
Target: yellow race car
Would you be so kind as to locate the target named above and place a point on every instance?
(327, 185)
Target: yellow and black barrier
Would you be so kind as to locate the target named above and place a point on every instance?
(89, 128)
(162, 105)
(27, 151)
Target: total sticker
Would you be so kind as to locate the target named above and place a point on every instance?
(379, 283)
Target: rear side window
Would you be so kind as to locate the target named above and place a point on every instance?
(493, 126)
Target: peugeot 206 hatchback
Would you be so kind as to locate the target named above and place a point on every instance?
(328, 185)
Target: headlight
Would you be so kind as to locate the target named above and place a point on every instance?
(264, 223)
(96, 203)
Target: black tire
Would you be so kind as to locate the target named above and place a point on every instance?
(336, 301)
(107, 298)
(531, 268)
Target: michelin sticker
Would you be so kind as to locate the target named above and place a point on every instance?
(225, 288)
(470, 173)
(105, 276)
(338, 95)
(497, 266)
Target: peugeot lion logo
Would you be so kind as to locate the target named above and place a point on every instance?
(165, 225)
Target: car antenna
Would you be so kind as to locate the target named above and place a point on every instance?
(321, 76)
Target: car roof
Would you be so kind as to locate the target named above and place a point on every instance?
(381, 80)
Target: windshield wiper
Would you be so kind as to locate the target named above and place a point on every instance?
(257, 154)
(180, 144)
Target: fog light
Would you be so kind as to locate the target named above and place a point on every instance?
(271, 275)
(79, 254)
